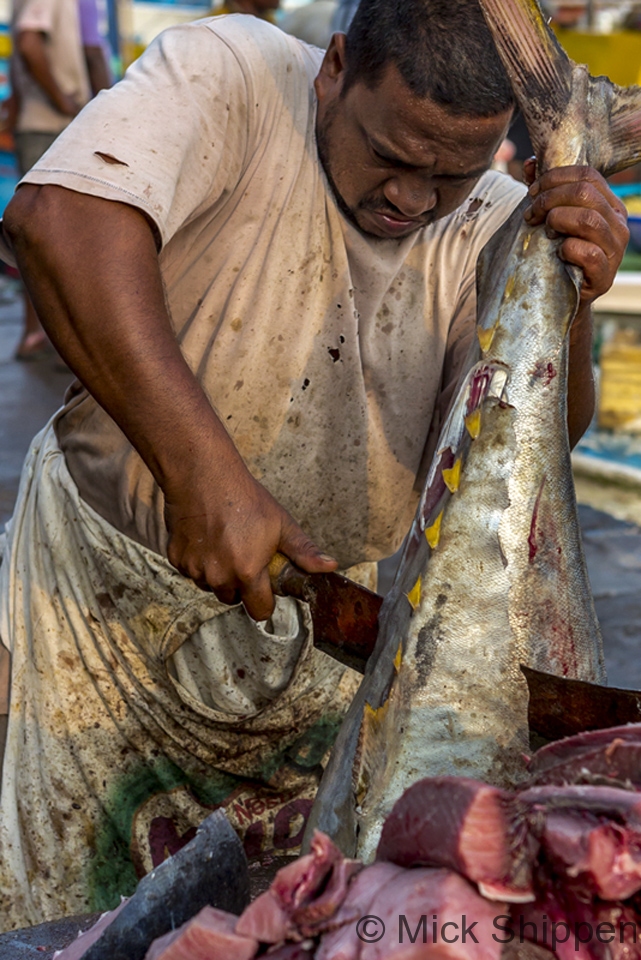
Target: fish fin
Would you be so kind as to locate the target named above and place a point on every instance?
(433, 532)
(414, 596)
(572, 118)
(540, 70)
(625, 129)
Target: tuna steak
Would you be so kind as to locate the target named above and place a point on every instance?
(493, 573)
(467, 826)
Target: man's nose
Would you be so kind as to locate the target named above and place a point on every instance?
(411, 194)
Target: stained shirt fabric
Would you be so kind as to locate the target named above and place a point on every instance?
(321, 349)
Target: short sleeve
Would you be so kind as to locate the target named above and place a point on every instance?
(171, 138)
(36, 15)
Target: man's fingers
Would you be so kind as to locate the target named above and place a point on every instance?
(586, 225)
(576, 187)
(231, 559)
(582, 196)
(560, 176)
(296, 545)
(577, 203)
(258, 598)
(592, 261)
(529, 171)
(227, 595)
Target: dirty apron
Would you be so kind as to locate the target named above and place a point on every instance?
(138, 704)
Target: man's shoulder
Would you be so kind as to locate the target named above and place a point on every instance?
(487, 207)
(256, 42)
(496, 190)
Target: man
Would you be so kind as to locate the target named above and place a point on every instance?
(261, 262)
(57, 65)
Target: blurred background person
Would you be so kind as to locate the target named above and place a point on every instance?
(343, 15)
(632, 20)
(58, 64)
(264, 9)
(312, 22)
(569, 15)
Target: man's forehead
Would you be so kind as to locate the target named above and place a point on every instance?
(414, 130)
(392, 103)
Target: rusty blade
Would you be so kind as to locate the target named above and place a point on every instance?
(344, 614)
(560, 707)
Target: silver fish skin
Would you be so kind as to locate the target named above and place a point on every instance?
(493, 574)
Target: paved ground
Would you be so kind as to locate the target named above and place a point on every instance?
(29, 394)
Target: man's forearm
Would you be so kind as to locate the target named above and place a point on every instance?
(581, 394)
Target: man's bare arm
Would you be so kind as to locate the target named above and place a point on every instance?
(91, 268)
(31, 46)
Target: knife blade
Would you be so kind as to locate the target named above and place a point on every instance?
(560, 707)
(344, 614)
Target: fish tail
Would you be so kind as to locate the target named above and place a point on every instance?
(571, 117)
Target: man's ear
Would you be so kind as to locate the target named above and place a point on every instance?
(329, 81)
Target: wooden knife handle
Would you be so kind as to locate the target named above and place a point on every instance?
(286, 578)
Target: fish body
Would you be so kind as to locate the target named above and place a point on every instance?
(493, 574)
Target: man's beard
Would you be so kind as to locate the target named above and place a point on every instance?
(373, 202)
(322, 143)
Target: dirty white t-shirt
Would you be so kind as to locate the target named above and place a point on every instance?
(322, 350)
(59, 22)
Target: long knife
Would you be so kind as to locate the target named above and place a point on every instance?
(344, 614)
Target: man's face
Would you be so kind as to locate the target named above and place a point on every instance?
(397, 162)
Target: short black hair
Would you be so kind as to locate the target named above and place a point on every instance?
(443, 50)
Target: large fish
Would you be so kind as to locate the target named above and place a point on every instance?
(493, 573)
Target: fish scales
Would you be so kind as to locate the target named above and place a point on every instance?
(493, 574)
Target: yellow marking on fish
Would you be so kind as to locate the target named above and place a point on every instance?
(373, 717)
(414, 596)
(526, 241)
(398, 659)
(433, 533)
(473, 423)
(370, 751)
(486, 337)
(509, 287)
(452, 476)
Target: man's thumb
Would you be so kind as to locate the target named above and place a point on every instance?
(302, 551)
